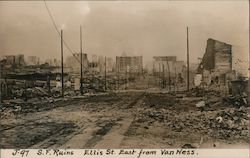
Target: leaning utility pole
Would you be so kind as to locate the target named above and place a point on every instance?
(105, 75)
(187, 62)
(81, 86)
(62, 61)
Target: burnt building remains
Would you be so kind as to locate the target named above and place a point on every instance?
(132, 64)
(14, 60)
(168, 65)
(216, 64)
(73, 62)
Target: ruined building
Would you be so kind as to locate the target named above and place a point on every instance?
(73, 62)
(131, 64)
(163, 61)
(168, 62)
(101, 64)
(110, 64)
(33, 60)
(97, 64)
(17, 60)
(216, 63)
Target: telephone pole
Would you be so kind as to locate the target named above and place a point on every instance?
(163, 76)
(62, 61)
(175, 85)
(118, 77)
(153, 70)
(169, 77)
(81, 87)
(105, 75)
(126, 79)
(159, 74)
(187, 61)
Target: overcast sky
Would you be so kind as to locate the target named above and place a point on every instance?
(112, 27)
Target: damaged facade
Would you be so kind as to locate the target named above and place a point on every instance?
(218, 73)
(216, 64)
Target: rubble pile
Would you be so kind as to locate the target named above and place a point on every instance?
(36, 92)
(237, 100)
(29, 92)
(40, 93)
(230, 123)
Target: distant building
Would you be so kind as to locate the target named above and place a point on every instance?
(97, 64)
(53, 62)
(164, 61)
(101, 64)
(33, 60)
(19, 60)
(15, 60)
(74, 62)
(169, 63)
(94, 58)
(110, 64)
(93, 64)
(129, 64)
(10, 59)
(217, 61)
(179, 67)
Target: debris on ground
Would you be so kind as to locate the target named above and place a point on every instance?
(238, 100)
(226, 123)
(177, 117)
(188, 146)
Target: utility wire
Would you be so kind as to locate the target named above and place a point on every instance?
(64, 42)
(59, 34)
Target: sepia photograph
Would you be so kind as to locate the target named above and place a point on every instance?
(124, 75)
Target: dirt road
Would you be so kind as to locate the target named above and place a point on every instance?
(129, 119)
